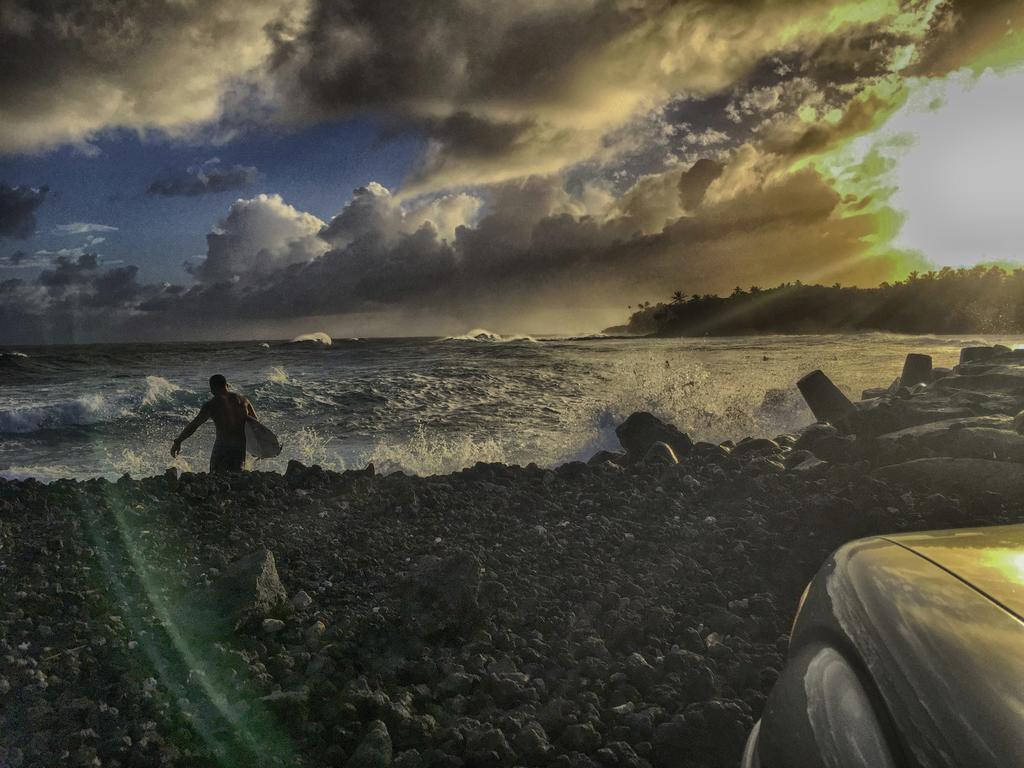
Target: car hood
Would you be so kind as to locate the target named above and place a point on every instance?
(991, 560)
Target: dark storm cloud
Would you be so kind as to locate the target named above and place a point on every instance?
(694, 182)
(74, 69)
(537, 248)
(536, 251)
(517, 89)
(18, 210)
(208, 178)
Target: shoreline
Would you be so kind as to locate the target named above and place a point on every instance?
(630, 611)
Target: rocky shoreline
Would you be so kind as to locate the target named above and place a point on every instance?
(627, 612)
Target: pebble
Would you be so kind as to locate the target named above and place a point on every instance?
(478, 640)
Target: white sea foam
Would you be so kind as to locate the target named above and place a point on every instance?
(279, 375)
(319, 337)
(159, 390)
(88, 409)
(44, 474)
(482, 334)
(426, 453)
(93, 408)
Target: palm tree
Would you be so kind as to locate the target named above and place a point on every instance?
(678, 297)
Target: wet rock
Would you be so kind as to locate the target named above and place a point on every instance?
(604, 456)
(301, 600)
(978, 438)
(642, 429)
(756, 446)
(877, 417)
(957, 477)
(660, 453)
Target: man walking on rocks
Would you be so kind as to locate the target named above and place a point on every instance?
(229, 410)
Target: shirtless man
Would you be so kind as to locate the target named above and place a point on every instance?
(228, 411)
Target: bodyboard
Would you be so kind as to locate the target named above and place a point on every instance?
(260, 441)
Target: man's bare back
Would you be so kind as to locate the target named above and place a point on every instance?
(229, 410)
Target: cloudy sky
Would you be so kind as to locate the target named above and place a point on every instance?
(177, 169)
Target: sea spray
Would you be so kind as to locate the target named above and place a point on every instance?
(310, 446)
(279, 375)
(87, 409)
(159, 390)
(432, 453)
(420, 405)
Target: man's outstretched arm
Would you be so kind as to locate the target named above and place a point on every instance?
(186, 433)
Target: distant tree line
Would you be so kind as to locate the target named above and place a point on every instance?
(977, 300)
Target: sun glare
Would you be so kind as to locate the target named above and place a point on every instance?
(948, 162)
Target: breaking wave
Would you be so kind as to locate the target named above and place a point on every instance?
(482, 334)
(319, 337)
(88, 409)
(96, 408)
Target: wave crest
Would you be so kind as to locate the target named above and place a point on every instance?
(318, 337)
(482, 334)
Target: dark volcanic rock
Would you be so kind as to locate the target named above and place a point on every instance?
(250, 589)
(982, 437)
(375, 750)
(441, 594)
(660, 453)
(957, 477)
(641, 430)
(602, 456)
(623, 615)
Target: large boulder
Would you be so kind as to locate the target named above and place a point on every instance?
(884, 415)
(812, 434)
(249, 589)
(660, 453)
(824, 398)
(441, 595)
(975, 354)
(1005, 379)
(979, 437)
(957, 477)
(641, 430)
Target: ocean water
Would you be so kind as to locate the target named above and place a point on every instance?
(424, 406)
